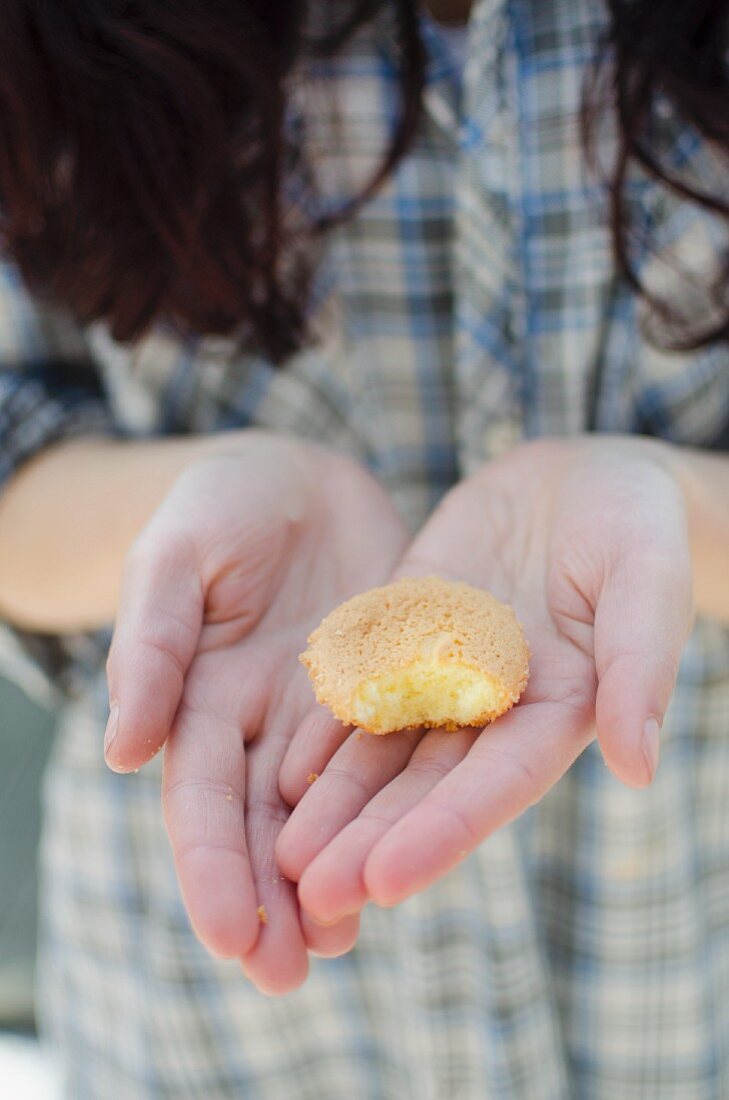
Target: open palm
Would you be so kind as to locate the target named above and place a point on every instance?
(587, 540)
(245, 556)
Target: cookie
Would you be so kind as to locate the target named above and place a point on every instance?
(418, 652)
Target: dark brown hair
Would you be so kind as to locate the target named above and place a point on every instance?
(671, 53)
(144, 147)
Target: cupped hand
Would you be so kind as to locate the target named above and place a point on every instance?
(587, 540)
(244, 557)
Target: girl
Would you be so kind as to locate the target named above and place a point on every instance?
(299, 298)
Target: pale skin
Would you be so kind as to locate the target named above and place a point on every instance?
(589, 541)
(602, 544)
(257, 537)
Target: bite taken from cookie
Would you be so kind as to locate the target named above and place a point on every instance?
(418, 652)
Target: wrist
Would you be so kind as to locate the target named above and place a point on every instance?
(68, 517)
(703, 479)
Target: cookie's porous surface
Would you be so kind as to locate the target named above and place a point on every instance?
(418, 652)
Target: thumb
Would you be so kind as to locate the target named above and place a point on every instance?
(642, 620)
(156, 634)
(454, 543)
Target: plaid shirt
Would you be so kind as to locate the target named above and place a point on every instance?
(584, 951)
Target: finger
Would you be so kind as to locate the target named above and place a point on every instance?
(203, 798)
(313, 745)
(359, 769)
(642, 621)
(278, 962)
(157, 628)
(329, 942)
(509, 768)
(333, 883)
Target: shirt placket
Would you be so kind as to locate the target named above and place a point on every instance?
(489, 307)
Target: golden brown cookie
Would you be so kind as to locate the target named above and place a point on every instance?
(419, 652)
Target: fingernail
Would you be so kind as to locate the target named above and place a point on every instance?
(651, 744)
(325, 923)
(111, 727)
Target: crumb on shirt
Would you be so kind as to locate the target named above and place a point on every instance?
(311, 778)
(262, 914)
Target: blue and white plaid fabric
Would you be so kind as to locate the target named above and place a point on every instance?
(582, 954)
